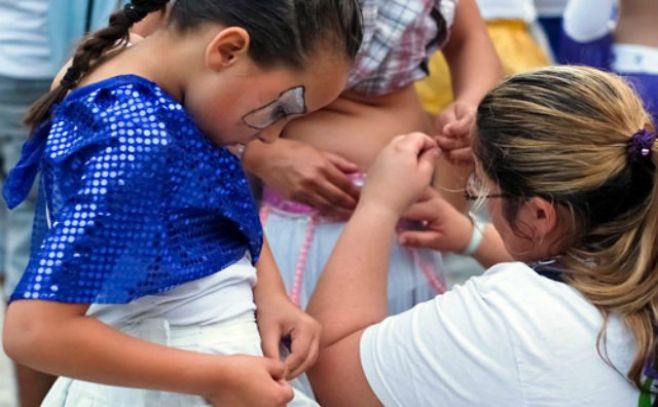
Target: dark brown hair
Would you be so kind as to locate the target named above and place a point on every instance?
(284, 32)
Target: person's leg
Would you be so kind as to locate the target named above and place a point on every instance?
(15, 97)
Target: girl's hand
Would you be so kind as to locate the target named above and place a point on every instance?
(446, 229)
(400, 173)
(454, 138)
(279, 319)
(251, 381)
(303, 173)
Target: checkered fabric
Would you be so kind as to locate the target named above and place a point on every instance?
(399, 37)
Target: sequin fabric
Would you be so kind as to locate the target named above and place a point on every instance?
(134, 199)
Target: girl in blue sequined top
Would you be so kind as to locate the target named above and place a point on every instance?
(142, 279)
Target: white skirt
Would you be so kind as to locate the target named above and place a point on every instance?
(239, 336)
(288, 234)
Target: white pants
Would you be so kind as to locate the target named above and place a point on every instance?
(235, 337)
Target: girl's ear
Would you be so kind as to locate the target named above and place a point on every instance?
(227, 47)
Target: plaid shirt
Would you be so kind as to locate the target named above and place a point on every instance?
(399, 37)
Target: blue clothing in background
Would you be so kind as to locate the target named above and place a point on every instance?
(630, 61)
(553, 28)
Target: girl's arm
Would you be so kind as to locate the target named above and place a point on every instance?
(352, 291)
(474, 70)
(278, 319)
(59, 339)
(471, 56)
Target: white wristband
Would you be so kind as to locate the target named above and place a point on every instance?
(476, 236)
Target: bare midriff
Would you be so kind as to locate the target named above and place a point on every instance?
(357, 127)
(637, 23)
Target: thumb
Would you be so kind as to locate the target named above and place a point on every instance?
(270, 340)
(460, 126)
(287, 393)
(421, 239)
(421, 211)
(276, 369)
(427, 160)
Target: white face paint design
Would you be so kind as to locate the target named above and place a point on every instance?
(289, 103)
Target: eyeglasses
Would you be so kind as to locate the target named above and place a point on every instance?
(475, 188)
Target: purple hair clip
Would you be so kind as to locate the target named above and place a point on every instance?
(640, 145)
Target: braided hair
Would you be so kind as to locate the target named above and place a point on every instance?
(91, 50)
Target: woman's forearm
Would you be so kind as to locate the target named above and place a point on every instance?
(352, 291)
(59, 339)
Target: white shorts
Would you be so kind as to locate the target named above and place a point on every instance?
(239, 336)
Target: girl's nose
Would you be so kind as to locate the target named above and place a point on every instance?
(272, 133)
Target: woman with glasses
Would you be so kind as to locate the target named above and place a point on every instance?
(565, 160)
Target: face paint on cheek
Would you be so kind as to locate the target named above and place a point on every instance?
(291, 102)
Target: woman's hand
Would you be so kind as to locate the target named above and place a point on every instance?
(445, 228)
(249, 381)
(454, 138)
(401, 172)
(279, 319)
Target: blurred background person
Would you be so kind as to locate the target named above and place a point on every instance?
(509, 23)
(618, 36)
(549, 16)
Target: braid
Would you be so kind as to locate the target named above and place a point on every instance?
(90, 51)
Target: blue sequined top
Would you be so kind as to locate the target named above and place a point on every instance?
(134, 199)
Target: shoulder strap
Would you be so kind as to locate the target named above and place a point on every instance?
(550, 268)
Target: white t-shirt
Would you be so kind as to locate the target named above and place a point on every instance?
(508, 338)
(507, 10)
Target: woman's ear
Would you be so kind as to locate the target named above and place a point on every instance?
(227, 47)
(542, 215)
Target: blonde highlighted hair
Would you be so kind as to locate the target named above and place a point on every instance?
(563, 134)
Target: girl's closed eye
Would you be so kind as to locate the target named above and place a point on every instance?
(280, 112)
(289, 103)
